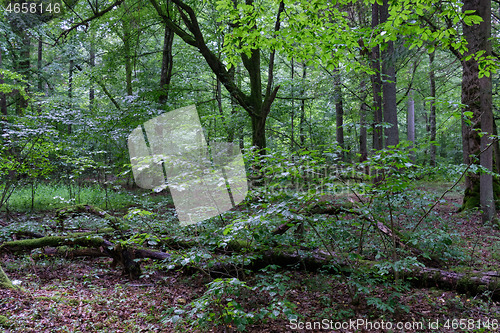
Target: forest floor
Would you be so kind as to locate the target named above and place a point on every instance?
(88, 295)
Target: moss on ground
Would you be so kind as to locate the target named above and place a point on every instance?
(5, 322)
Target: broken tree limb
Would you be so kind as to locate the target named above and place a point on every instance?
(81, 239)
(472, 283)
(121, 254)
(95, 253)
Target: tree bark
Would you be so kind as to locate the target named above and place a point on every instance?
(3, 97)
(23, 68)
(411, 123)
(39, 64)
(363, 135)
(166, 65)
(376, 85)
(476, 96)
(5, 282)
(91, 78)
(127, 47)
(339, 112)
(70, 88)
(485, 86)
(496, 148)
(432, 116)
(302, 117)
(390, 108)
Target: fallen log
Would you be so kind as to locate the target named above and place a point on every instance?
(122, 255)
(472, 283)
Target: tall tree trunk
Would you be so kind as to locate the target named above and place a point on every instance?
(70, 88)
(292, 113)
(23, 68)
(3, 97)
(476, 95)
(389, 86)
(127, 47)
(411, 123)
(92, 65)
(339, 112)
(70, 80)
(376, 86)
(496, 148)
(485, 86)
(302, 118)
(39, 64)
(167, 65)
(363, 135)
(432, 116)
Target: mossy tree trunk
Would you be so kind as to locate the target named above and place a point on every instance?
(5, 282)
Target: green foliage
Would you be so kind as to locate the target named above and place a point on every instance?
(224, 305)
(54, 195)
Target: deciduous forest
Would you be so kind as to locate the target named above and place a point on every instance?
(365, 132)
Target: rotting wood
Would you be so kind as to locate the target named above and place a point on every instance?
(121, 254)
(473, 283)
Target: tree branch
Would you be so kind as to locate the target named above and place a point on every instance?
(86, 21)
(270, 72)
(195, 38)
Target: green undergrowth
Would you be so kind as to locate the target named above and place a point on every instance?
(51, 196)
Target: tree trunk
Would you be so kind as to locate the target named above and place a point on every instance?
(39, 64)
(166, 65)
(363, 135)
(302, 117)
(496, 148)
(432, 116)
(391, 133)
(376, 85)
(70, 88)
(127, 42)
(5, 282)
(3, 97)
(92, 65)
(411, 123)
(485, 88)
(476, 95)
(339, 112)
(23, 68)
(292, 113)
